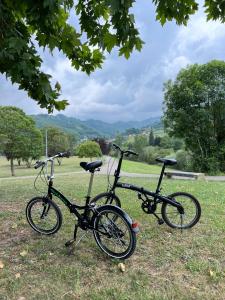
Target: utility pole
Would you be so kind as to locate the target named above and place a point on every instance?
(46, 148)
(46, 143)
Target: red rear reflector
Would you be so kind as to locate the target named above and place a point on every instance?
(134, 225)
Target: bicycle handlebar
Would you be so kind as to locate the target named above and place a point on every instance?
(64, 154)
(40, 163)
(126, 152)
(116, 147)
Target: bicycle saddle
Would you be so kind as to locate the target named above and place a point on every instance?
(167, 161)
(91, 166)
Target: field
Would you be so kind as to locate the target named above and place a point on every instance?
(68, 165)
(166, 264)
(139, 167)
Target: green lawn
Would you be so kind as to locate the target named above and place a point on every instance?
(166, 264)
(139, 167)
(68, 165)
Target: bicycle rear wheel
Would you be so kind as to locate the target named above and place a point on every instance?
(191, 215)
(113, 232)
(43, 215)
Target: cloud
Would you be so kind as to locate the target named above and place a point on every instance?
(199, 42)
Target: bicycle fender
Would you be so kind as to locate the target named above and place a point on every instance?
(133, 224)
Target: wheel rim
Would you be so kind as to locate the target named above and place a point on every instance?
(107, 200)
(43, 216)
(118, 239)
(182, 220)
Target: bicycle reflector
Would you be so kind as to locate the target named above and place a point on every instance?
(135, 227)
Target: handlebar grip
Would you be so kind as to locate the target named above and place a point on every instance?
(133, 153)
(116, 146)
(38, 164)
(64, 154)
(129, 152)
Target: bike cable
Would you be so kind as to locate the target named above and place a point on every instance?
(109, 169)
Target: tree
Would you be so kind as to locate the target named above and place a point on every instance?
(132, 131)
(104, 145)
(89, 149)
(157, 141)
(151, 138)
(166, 142)
(17, 132)
(118, 140)
(33, 149)
(194, 109)
(140, 141)
(103, 26)
(58, 140)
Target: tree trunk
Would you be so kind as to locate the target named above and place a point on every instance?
(19, 162)
(28, 163)
(12, 167)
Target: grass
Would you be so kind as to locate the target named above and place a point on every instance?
(68, 165)
(166, 264)
(139, 167)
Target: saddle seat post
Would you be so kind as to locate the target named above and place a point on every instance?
(160, 178)
(90, 187)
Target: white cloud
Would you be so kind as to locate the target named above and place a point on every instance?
(199, 42)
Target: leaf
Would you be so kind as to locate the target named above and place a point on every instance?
(14, 226)
(211, 273)
(17, 275)
(1, 265)
(121, 267)
(23, 253)
(58, 86)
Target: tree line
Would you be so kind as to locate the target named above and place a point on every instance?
(20, 140)
(194, 121)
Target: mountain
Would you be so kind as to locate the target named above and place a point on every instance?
(91, 128)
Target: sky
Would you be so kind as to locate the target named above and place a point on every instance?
(126, 90)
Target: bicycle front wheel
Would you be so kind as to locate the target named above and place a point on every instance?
(106, 198)
(191, 215)
(113, 232)
(43, 215)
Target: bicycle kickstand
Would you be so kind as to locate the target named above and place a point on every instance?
(70, 242)
(160, 221)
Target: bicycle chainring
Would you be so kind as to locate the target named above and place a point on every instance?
(148, 206)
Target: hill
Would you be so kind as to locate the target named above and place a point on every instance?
(91, 128)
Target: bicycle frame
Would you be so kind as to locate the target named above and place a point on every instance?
(73, 208)
(156, 195)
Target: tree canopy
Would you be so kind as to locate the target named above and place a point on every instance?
(195, 111)
(19, 138)
(103, 25)
(89, 149)
(58, 140)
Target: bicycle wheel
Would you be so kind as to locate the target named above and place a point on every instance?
(113, 232)
(43, 215)
(106, 198)
(191, 215)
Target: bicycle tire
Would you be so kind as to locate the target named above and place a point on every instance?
(196, 210)
(108, 219)
(106, 198)
(46, 206)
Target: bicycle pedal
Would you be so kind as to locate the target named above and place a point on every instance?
(69, 243)
(160, 221)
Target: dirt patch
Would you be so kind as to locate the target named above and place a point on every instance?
(9, 207)
(14, 237)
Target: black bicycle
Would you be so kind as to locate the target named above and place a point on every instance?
(179, 210)
(113, 230)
